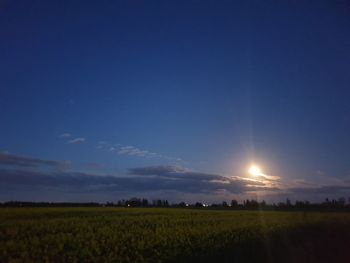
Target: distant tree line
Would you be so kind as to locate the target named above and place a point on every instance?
(248, 204)
(138, 202)
(47, 204)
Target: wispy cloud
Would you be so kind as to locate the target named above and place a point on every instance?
(130, 150)
(102, 144)
(76, 140)
(72, 140)
(65, 135)
(23, 161)
(134, 151)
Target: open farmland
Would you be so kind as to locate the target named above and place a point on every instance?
(171, 235)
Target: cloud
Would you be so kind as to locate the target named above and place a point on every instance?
(130, 150)
(327, 189)
(134, 151)
(76, 140)
(214, 183)
(162, 170)
(16, 172)
(72, 140)
(101, 145)
(136, 180)
(22, 161)
(195, 181)
(77, 181)
(170, 171)
(65, 135)
(268, 177)
(112, 149)
(94, 165)
(141, 179)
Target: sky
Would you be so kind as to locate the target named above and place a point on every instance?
(106, 100)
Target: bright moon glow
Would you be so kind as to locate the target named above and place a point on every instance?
(254, 170)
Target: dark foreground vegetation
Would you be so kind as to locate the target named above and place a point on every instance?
(109, 234)
(327, 205)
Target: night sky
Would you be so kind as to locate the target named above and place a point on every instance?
(103, 100)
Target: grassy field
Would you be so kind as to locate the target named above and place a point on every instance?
(171, 235)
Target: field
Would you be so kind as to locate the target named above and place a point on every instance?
(171, 235)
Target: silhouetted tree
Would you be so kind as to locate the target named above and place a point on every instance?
(182, 204)
(262, 204)
(234, 203)
(198, 204)
(288, 203)
(144, 202)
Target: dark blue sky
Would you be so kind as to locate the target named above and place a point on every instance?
(207, 86)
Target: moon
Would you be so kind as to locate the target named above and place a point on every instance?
(254, 170)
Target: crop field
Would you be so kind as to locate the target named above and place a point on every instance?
(171, 235)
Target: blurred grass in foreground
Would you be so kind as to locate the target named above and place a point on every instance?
(171, 235)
